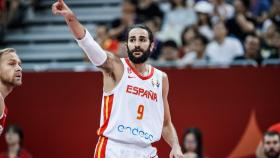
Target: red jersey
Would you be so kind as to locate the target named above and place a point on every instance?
(21, 154)
(3, 119)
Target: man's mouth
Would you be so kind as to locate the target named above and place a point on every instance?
(18, 75)
(137, 53)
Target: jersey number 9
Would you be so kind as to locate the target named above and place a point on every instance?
(140, 112)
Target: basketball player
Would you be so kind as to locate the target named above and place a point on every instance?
(10, 77)
(135, 111)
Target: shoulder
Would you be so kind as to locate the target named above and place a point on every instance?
(232, 40)
(111, 63)
(165, 81)
(162, 73)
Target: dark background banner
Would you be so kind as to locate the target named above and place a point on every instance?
(59, 111)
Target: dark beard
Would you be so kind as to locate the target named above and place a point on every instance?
(138, 60)
(272, 154)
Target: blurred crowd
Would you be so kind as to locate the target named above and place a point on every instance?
(13, 13)
(187, 32)
(197, 33)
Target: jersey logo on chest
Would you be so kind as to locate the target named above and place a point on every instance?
(149, 94)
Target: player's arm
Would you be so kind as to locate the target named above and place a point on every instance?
(2, 106)
(93, 50)
(169, 133)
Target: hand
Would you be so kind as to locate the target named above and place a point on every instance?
(60, 8)
(176, 152)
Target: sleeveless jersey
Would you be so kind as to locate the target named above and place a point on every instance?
(133, 111)
(3, 119)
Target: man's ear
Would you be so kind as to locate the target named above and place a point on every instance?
(152, 46)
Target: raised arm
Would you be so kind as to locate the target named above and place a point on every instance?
(169, 133)
(93, 50)
(77, 29)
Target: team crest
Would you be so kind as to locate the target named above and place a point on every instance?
(155, 83)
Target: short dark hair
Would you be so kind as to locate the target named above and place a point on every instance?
(246, 3)
(202, 38)
(141, 26)
(272, 133)
(170, 43)
(173, 4)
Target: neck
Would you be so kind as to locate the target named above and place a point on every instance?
(141, 68)
(13, 149)
(5, 89)
(220, 40)
(251, 55)
(200, 55)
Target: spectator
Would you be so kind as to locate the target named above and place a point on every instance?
(14, 140)
(192, 143)
(176, 19)
(128, 18)
(107, 43)
(274, 17)
(252, 49)
(242, 23)
(260, 149)
(158, 44)
(187, 36)
(197, 54)
(223, 49)
(270, 147)
(222, 10)
(169, 51)
(16, 11)
(271, 42)
(204, 11)
(149, 10)
(259, 9)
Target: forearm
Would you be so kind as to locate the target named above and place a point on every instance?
(95, 53)
(245, 25)
(169, 134)
(75, 26)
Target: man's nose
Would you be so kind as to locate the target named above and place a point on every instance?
(137, 44)
(19, 68)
